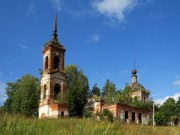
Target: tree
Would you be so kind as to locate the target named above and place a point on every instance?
(118, 95)
(166, 112)
(1, 109)
(109, 91)
(125, 96)
(23, 96)
(96, 90)
(10, 91)
(160, 118)
(77, 90)
(177, 106)
(168, 108)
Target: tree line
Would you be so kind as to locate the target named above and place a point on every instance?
(168, 113)
(24, 95)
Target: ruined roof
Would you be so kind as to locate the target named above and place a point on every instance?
(138, 87)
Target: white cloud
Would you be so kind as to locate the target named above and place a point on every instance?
(78, 13)
(114, 8)
(157, 15)
(177, 83)
(56, 4)
(176, 77)
(31, 8)
(95, 38)
(3, 96)
(23, 46)
(162, 100)
(124, 71)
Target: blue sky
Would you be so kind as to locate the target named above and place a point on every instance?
(103, 37)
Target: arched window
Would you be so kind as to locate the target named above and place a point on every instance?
(144, 99)
(44, 92)
(46, 62)
(56, 62)
(57, 89)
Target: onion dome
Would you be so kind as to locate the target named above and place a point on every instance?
(134, 71)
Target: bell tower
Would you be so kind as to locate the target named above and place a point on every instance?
(53, 79)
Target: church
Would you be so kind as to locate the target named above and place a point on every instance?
(53, 79)
(54, 88)
(122, 111)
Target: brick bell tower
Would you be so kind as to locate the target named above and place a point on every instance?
(53, 79)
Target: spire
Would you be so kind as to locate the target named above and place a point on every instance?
(55, 36)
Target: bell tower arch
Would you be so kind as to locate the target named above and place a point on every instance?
(53, 79)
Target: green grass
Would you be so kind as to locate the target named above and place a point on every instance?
(18, 125)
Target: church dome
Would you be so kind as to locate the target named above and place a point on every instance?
(134, 71)
(137, 86)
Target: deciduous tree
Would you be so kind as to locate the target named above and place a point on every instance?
(109, 91)
(78, 90)
(23, 96)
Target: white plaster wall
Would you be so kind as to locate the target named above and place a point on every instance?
(45, 80)
(44, 109)
(121, 114)
(96, 104)
(53, 113)
(66, 113)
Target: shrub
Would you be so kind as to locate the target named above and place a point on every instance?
(109, 115)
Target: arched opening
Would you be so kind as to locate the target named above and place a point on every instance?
(43, 116)
(56, 62)
(126, 115)
(176, 121)
(133, 116)
(144, 99)
(46, 62)
(140, 117)
(57, 89)
(44, 92)
(62, 114)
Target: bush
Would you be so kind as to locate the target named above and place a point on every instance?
(109, 115)
(1, 109)
(160, 118)
(86, 113)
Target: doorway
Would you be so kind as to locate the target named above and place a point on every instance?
(133, 116)
(62, 114)
(140, 117)
(126, 115)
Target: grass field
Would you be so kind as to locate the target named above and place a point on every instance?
(18, 125)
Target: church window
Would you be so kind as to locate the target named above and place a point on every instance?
(46, 62)
(44, 92)
(144, 99)
(57, 89)
(56, 62)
